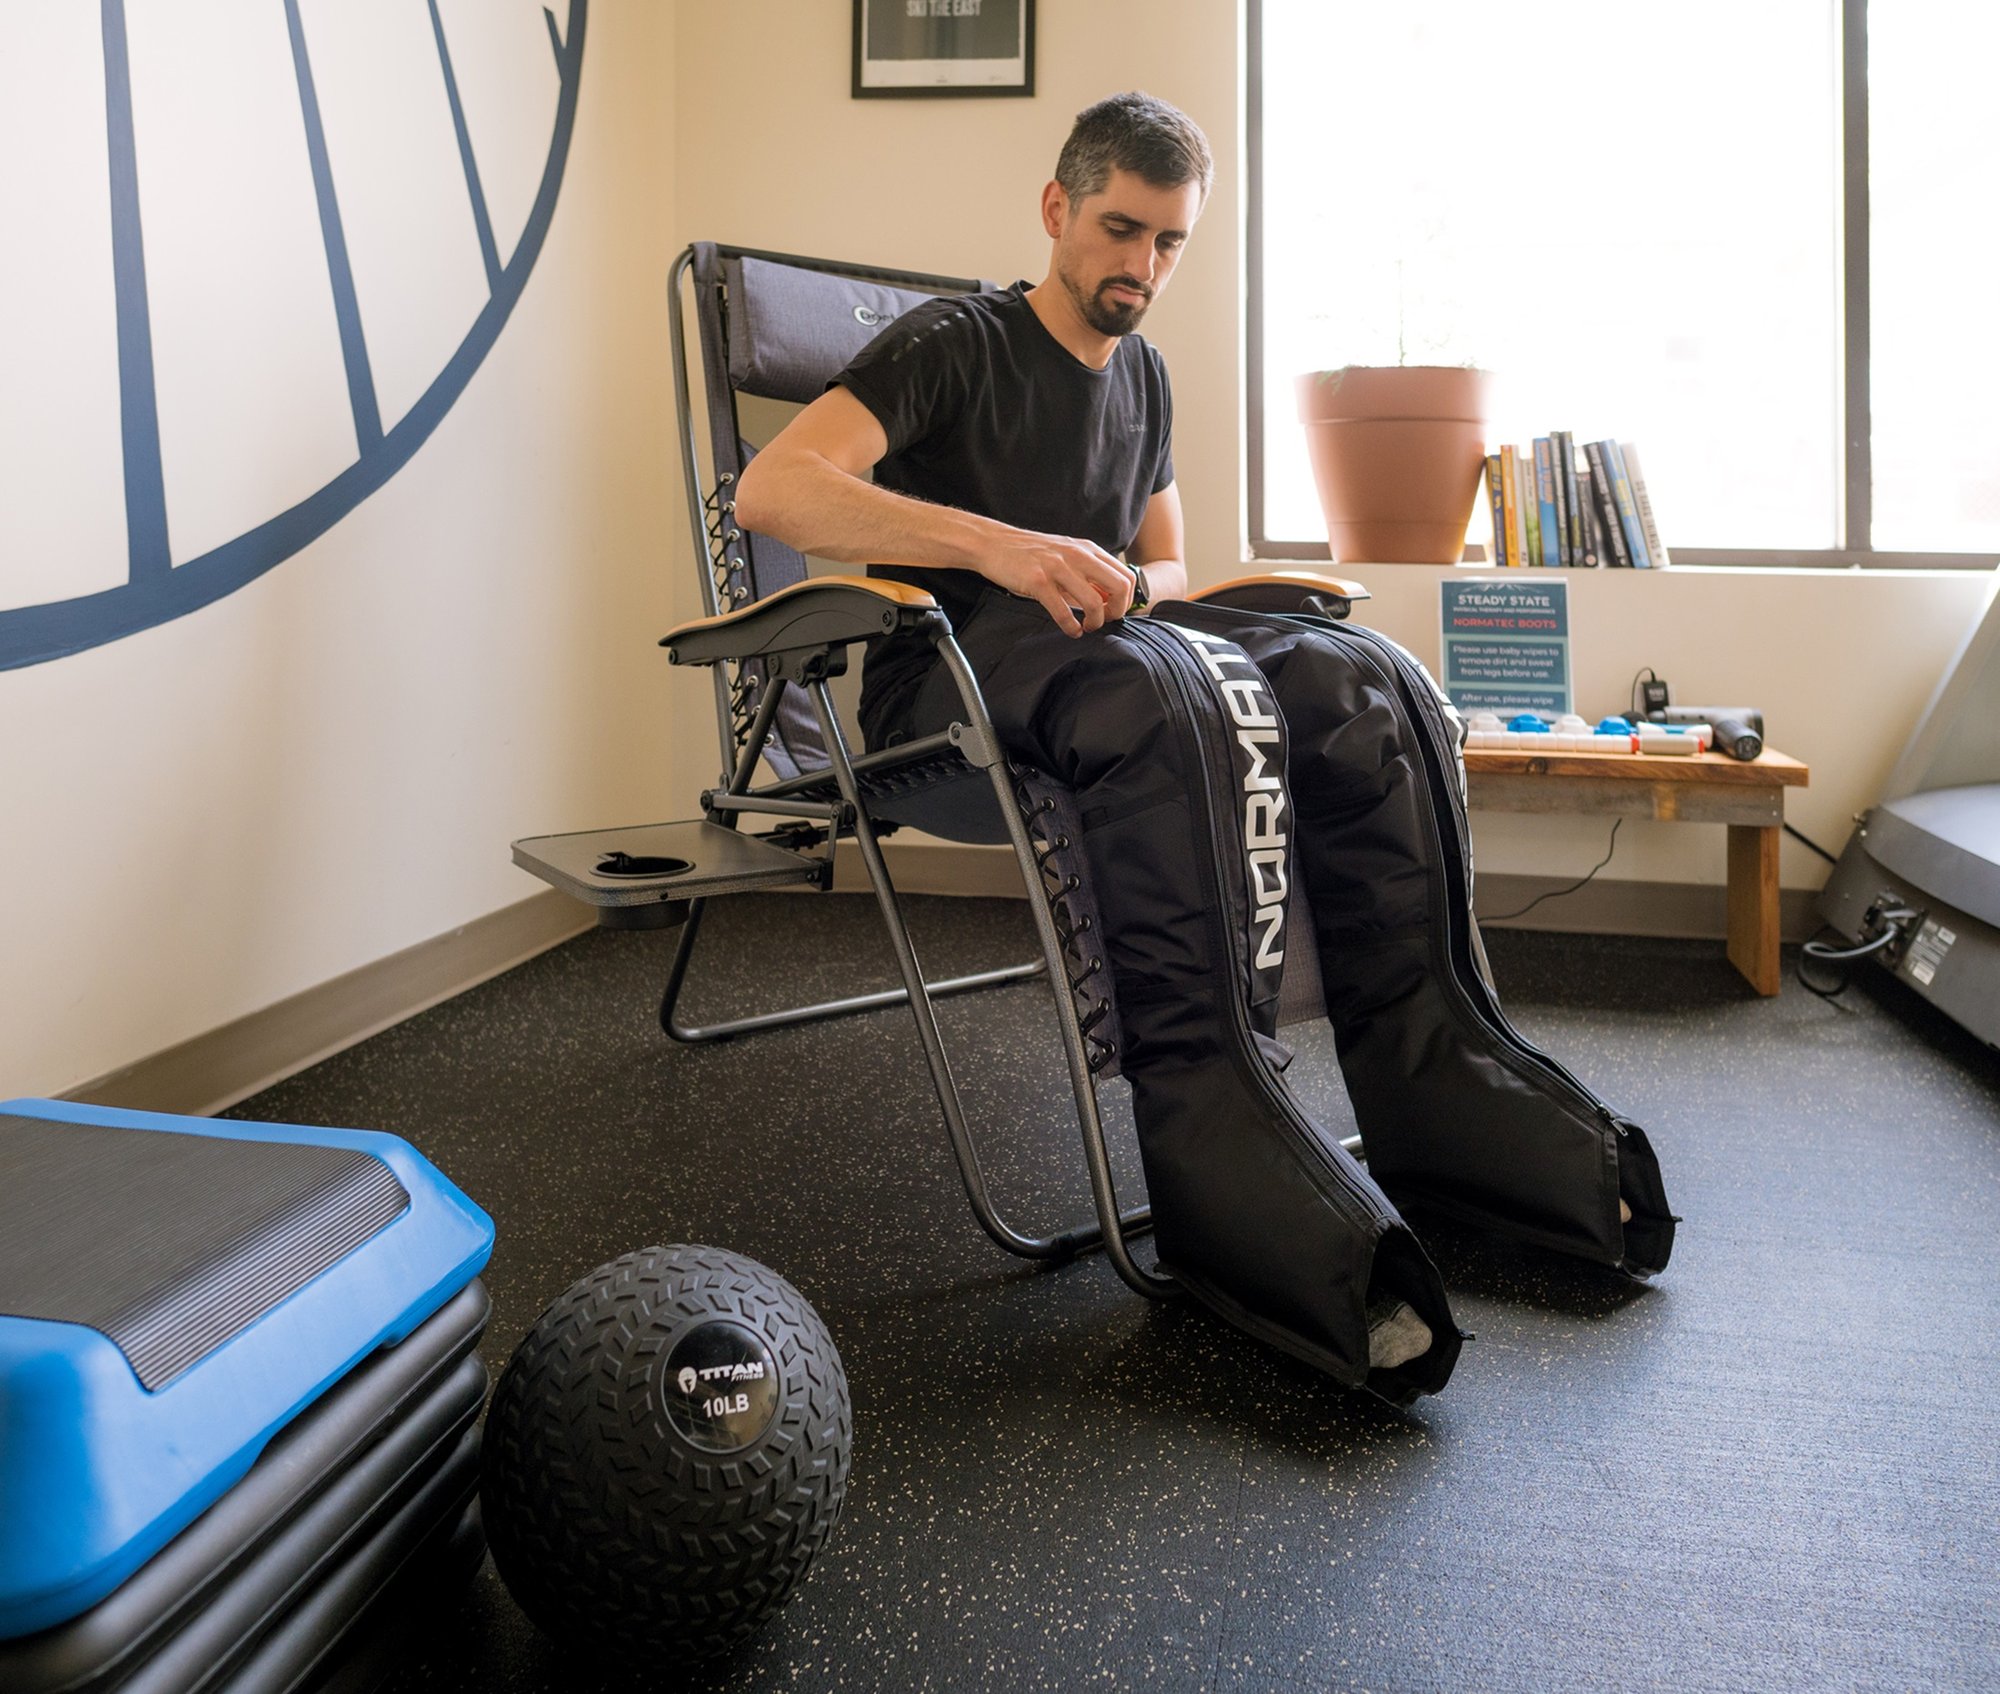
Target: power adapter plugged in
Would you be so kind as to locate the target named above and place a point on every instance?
(1649, 693)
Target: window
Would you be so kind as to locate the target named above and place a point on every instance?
(1754, 239)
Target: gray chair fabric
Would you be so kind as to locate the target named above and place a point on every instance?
(792, 330)
(781, 329)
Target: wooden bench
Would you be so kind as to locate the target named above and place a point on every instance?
(1708, 788)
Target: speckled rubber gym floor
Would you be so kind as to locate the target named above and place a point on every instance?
(1773, 1469)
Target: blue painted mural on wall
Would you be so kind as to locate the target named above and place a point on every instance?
(156, 589)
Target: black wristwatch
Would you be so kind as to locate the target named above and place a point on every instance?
(1142, 596)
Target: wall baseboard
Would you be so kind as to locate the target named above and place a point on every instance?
(1692, 910)
(211, 1071)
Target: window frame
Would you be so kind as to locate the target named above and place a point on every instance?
(1855, 518)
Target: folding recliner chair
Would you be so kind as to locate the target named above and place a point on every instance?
(776, 328)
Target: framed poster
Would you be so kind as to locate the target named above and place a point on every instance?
(918, 47)
(1505, 643)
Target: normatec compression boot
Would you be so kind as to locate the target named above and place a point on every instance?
(1176, 754)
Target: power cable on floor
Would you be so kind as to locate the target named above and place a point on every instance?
(1895, 917)
(1610, 847)
(1841, 980)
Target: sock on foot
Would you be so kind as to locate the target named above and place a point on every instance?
(1396, 1335)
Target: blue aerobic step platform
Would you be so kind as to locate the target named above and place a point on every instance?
(238, 1387)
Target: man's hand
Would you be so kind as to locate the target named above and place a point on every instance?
(1077, 583)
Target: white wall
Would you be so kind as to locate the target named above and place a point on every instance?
(326, 766)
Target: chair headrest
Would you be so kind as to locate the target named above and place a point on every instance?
(792, 330)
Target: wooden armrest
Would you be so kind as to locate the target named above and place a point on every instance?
(822, 611)
(1286, 591)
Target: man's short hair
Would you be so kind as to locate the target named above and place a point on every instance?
(1133, 132)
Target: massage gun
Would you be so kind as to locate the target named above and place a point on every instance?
(1739, 730)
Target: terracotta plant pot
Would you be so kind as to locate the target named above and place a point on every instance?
(1397, 452)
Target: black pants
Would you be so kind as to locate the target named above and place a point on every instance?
(1217, 756)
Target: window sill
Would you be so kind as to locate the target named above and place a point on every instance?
(1827, 563)
(1704, 568)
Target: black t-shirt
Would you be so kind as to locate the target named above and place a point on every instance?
(985, 410)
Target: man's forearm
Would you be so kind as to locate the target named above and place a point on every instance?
(815, 504)
(816, 507)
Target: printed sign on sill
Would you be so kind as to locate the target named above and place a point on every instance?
(1505, 645)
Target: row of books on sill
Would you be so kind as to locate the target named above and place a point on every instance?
(1557, 504)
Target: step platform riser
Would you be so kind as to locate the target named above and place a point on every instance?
(181, 1299)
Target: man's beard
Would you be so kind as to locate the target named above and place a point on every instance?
(1104, 314)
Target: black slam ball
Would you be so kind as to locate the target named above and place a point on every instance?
(665, 1454)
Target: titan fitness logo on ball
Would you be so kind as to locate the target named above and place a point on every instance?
(690, 1378)
(1266, 846)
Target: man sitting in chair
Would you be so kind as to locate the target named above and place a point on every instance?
(1021, 445)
